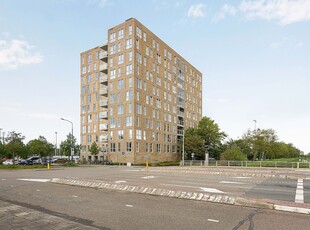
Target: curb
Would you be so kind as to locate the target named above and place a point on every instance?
(205, 197)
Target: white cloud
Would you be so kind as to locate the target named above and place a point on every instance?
(197, 11)
(225, 10)
(286, 42)
(16, 53)
(285, 11)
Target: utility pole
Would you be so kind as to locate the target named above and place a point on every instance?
(56, 144)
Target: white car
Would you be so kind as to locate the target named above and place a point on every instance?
(7, 162)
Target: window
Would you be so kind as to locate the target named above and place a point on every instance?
(146, 147)
(158, 148)
(129, 108)
(120, 34)
(139, 57)
(130, 134)
(121, 59)
(112, 37)
(138, 134)
(129, 121)
(113, 49)
(137, 43)
(128, 69)
(112, 74)
(83, 69)
(139, 83)
(144, 36)
(120, 134)
(129, 95)
(89, 57)
(130, 56)
(119, 74)
(130, 30)
(138, 32)
(128, 146)
(137, 147)
(139, 108)
(112, 122)
(151, 147)
(128, 43)
(119, 47)
(112, 147)
(120, 84)
(118, 146)
(120, 109)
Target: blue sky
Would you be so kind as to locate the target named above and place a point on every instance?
(254, 56)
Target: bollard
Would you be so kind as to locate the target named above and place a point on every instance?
(147, 164)
(48, 166)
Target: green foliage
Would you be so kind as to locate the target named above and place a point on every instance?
(15, 146)
(207, 133)
(94, 149)
(67, 144)
(3, 151)
(40, 147)
(233, 153)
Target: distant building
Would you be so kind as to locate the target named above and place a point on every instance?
(137, 97)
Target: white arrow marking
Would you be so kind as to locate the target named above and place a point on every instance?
(129, 205)
(211, 190)
(230, 182)
(242, 177)
(120, 181)
(148, 177)
(35, 180)
(74, 196)
(212, 220)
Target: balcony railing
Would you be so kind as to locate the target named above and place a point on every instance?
(103, 55)
(180, 123)
(103, 103)
(181, 104)
(103, 90)
(180, 133)
(104, 138)
(103, 67)
(103, 127)
(103, 78)
(180, 113)
(103, 115)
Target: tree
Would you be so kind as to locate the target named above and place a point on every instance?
(15, 145)
(94, 149)
(3, 151)
(194, 144)
(40, 147)
(233, 153)
(69, 143)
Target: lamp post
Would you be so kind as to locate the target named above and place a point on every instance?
(71, 137)
(183, 147)
(56, 144)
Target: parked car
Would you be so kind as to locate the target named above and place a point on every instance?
(8, 162)
(25, 162)
(35, 160)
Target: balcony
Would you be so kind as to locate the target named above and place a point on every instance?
(104, 46)
(103, 78)
(103, 138)
(104, 103)
(103, 55)
(103, 91)
(180, 133)
(103, 115)
(103, 127)
(181, 104)
(180, 114)
(180, 123)
(103, 67)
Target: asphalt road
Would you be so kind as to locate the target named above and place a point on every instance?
(40, 205)
(254, 187)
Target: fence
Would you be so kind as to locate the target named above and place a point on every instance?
(273, 164)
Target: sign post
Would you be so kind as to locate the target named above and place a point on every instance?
(123, 154)
(72, 154)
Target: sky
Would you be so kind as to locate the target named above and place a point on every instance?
(254, 57)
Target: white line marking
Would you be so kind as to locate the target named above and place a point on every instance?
(129, 205)
(212, 220)
(299, 197)
(212, 190)
(120, 181)
(3, 179)
(242, 177)
(292, 209)
(230, 182)
(35, 180)
(148, 177)
(74, 196)
(38, 190)
(132, 170)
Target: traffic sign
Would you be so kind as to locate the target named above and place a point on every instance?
(123, 153)
(72, 151)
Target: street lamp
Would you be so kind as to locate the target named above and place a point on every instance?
(183, 147)
(71, 137)
(56, 144)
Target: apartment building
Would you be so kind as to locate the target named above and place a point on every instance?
(138, 96)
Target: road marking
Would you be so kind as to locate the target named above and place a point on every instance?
(132, 170)
(242, 177)
(211, 190)
(21, 214)
(230, 182)
(129, 205)
(148, 177)
(120, 181)
(35, 180)
(3, 179)
(212, 220)
(38, 190)
(299, 197)
(75, 196)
